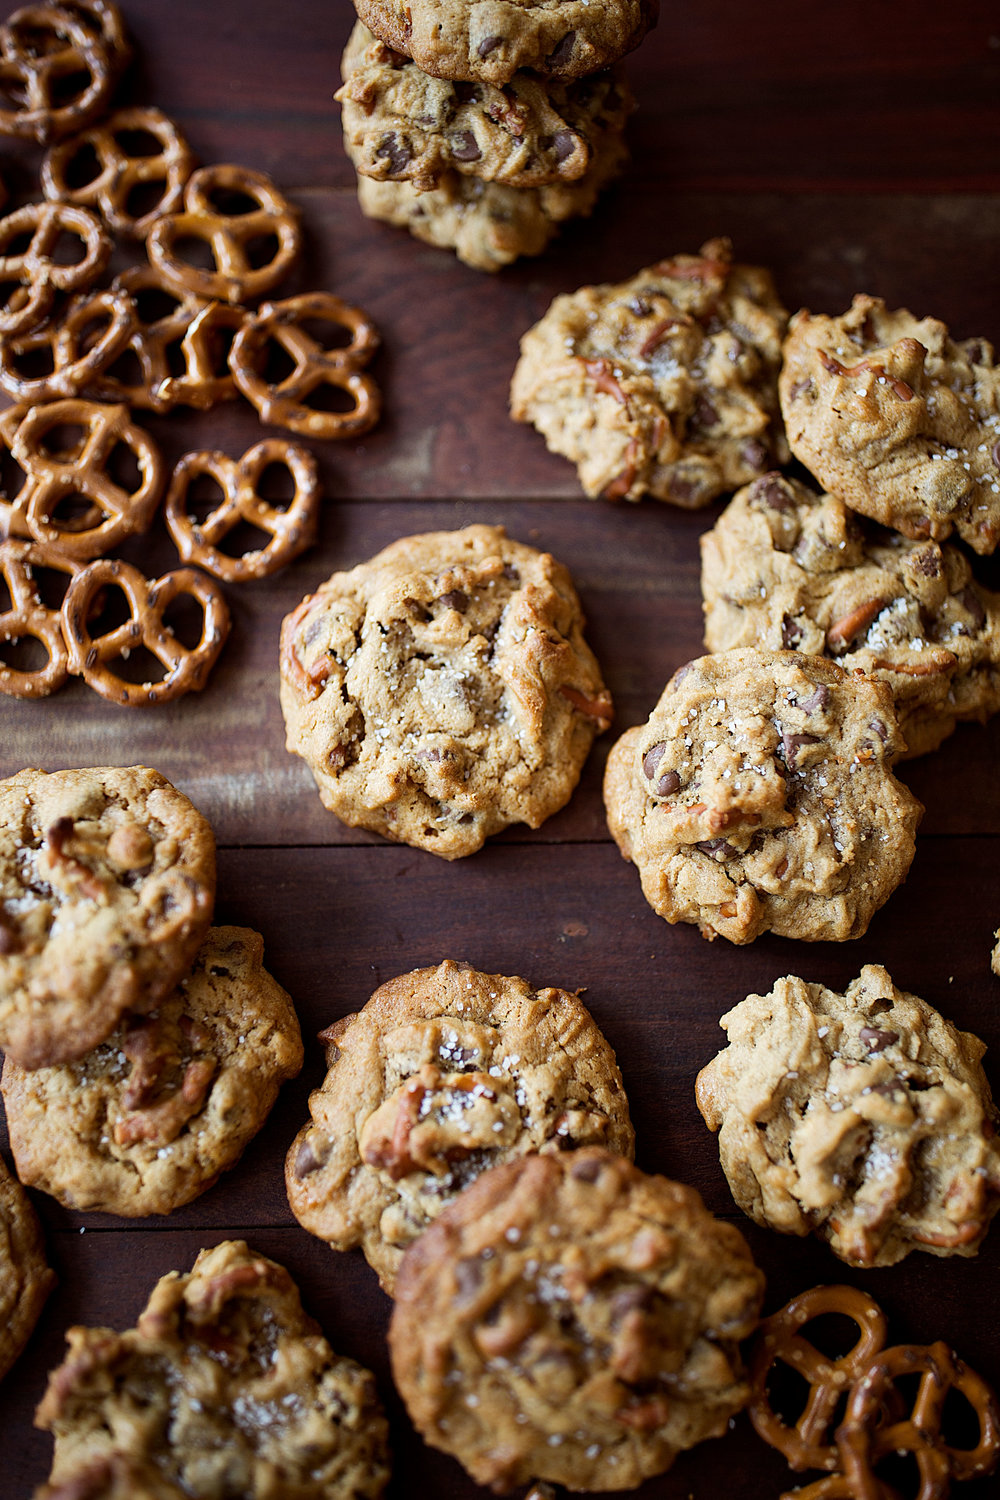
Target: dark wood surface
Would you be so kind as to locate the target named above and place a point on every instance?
(850, 148)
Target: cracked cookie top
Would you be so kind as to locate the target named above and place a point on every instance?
(570, 1318)
(152, 1116)
(863, 1117)
(224, 1387)
(443, 689)
(444, 1073)
(25, 1278)
(107, 883)
(759, 797)
(897, 419)
(784, 567)
(665, 384)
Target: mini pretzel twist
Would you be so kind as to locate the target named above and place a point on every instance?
(150, 340)
(29, 617)
(185, 669)
(35, 72)
(79, 347)
(291, 530)
(207, 378)
(228, 235)
(39, 275)
(809, 1444)
(13, 506)
(283, 404)
(115, 512)
(121, 173)
(835, 1487)
(103, 20)
(863, 1439)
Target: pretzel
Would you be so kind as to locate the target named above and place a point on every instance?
(39, 275)
(186, 670)
(78, 350)
(104, 21)
(291, 529)
(204, 383)
(29, 616)
(115, 513)
(228, 236)
(282, 404)
(835, 1487)
(809, 1444)
(13, 506)
(150, 340)
(863, 1440)
(121, 173)
(33, 70)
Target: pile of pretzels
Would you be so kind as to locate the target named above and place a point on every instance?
(183, 327)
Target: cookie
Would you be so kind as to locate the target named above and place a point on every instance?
(759, 797)
(224, 1387)
(117, 1477)
(491, 39)
(107, 883)
(153, 1115)
(665, 384)
(865, 1118)
(404, 125)
(569, 1318)
(25, 1278)
(897, 419)
(443, 689)
(784, 567)
(444, 1073)
(489, 224)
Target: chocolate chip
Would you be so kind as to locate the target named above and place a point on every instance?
(561, 54)
(927, 560)
(417, 610)
(879, 727)
(705, 414)
(455, 599)
(971, 602)
(791, 635)
(489, 44)
(8, 939)
(587, 1171)
(396, 152)
(511, 573)
(564, 142)
(669, 782)
(791, 744)
(975, 353)
(819, 699)
(718, 847)
(306, 1159)
(771, 490)
(876, 1040)
(753, 454)
(464, 147)
(652, 759)
(629, 1299)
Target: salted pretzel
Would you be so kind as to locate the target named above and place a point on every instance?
(863, 1438)
(228, 235)
(40, 47)
(13, 499)
(291, 529)
(835, 1487)
(81, 473)
(104, 21)
(91, 657)
(40, 277)
(80, 341)
(120, 172)
(810, 1443)
(150, 340)
(284, 403)
(207, 378)
(29, 617)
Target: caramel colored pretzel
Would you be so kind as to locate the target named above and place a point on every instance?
(39, 275)
(104, 21)
(835, 1487)
(283, 404)
(40, 46)
(228, 236)
(863, 1439)
(13, 506)
(89, 334)
(150, 340)
(809, 1444)
(207, 378)
(29, 617)
(186, 669)
(120, 173)
(291, 530)
(115, 512)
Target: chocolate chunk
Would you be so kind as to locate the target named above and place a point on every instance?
(879, 727)
(306, 1159)
(971, 602)
(669, 782)
(396, 152)
(489, 44)
(455, 599)
(819, 699)
(717, 847)
(652, 759)
(791, 744)
(511, 573)
(561, 54)
(587, 1171)
(876, 1040)
(564, 142)
(791, 635)
(753, 454)
(464, 147)
(927, 560)
(629, 1299)
(705, 414)
(770, 490)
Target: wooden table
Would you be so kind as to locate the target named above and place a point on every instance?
(850, 148)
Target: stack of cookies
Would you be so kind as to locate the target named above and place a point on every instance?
(481, 128)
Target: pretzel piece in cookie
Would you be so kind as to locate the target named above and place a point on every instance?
(30, 618)
(123, 172)
(290, 529)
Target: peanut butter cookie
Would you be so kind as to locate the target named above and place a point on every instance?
(443, 689)
(444, 1073)
(570, 1319)
(107, 883)
(759, 797)
(864, 1117)
(784, 567)
(25, 1278)
(152, 1116)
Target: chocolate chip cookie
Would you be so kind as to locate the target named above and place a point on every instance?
(116, 1477)
(443, 689)
(759, 796)
(665, 384)
(491, 39)
(444, 1073)
(224, 1387)
(25, 1278)
(865, 1118)
(403, 125)
(569, 1318)
(107, 883)
(784, 567)
(898, 419)
(152, 1116)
